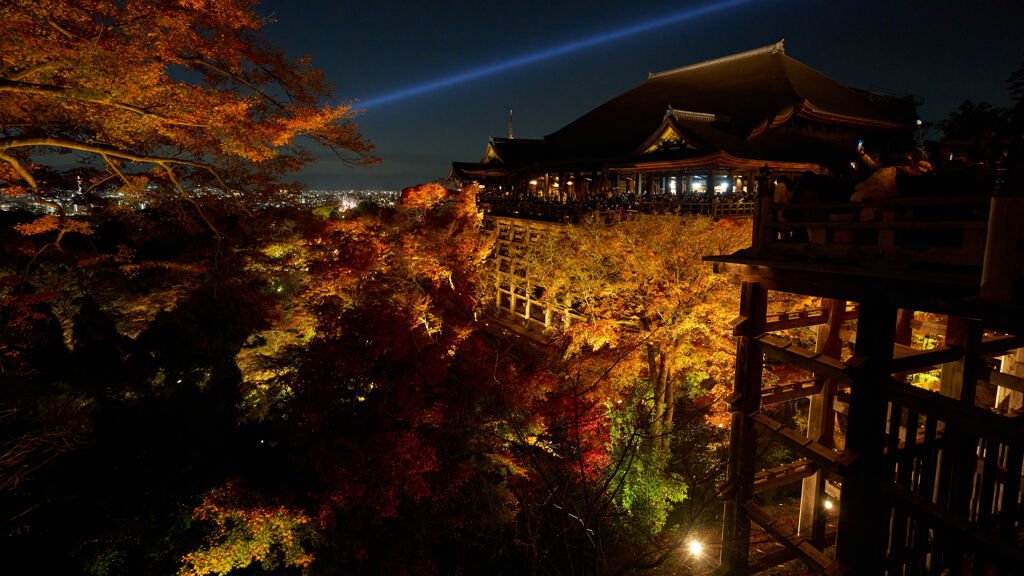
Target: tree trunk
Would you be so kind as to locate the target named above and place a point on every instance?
(661, 414)
(655, 365)
(670, 411)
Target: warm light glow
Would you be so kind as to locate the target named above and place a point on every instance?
(828, 504)
(533, 182)
(696, 548)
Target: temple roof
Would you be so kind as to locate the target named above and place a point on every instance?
(743, 90)
(755, 105)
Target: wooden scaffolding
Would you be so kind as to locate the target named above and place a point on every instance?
(894, 478)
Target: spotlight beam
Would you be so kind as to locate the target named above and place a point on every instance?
(552, 52)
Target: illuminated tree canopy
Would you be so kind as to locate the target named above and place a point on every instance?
(184, 89)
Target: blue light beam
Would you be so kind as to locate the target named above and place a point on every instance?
(552, 52)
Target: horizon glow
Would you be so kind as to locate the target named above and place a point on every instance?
(548, 53)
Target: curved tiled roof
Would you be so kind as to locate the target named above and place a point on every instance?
(742, 90)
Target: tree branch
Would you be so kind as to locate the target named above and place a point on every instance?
(199, 210)
(58, 92)
(29, 70)
(102, 149)
(33, 185)
(232, 76)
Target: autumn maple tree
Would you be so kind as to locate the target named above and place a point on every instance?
(641, 290)
(648, 335)
(164, 95)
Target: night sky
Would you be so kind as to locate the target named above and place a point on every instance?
(941, 51)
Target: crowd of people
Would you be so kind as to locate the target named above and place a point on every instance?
(572, 208)
(872, 177)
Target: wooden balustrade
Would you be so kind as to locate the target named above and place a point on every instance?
(953, 481)
(898, 231)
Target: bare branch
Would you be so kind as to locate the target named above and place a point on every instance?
(181, 191)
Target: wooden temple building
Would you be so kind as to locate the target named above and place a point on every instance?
(698, 133)
(893, 478)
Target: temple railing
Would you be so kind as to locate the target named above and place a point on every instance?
(893, 232)
(574, 212)
(952, 483)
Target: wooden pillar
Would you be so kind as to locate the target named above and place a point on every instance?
(763, 214)
(863, 521)
(1013, 364)
(1003, 258)
(821, 428)
(743, 442)
(960, 460)
(959, 379)
(529, 303)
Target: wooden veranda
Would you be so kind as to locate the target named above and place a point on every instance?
(905, 480)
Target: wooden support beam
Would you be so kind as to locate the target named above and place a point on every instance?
(790, 391)
(808, 317)
(780, 554)
(998, 550)
(743, 435)
(821, 365)
(906, 359)
(811, 555)
(1004, 380)
(798, 319)
(841, 407)
(823, 456)
(862, 543)
(821, 423)
(966, 417)
(783, 475)
(998, 344)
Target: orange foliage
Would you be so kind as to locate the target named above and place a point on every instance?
(142, 77)
(245, 532)
(641, 285)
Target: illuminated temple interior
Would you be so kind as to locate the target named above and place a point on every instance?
(700, 132)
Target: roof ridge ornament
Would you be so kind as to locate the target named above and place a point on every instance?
(689, 115)
(777, 48)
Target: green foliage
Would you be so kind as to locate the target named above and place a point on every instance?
(273, 536)
(647, 490)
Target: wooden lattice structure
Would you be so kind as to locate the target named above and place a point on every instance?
(517, 298)
(894, 479)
